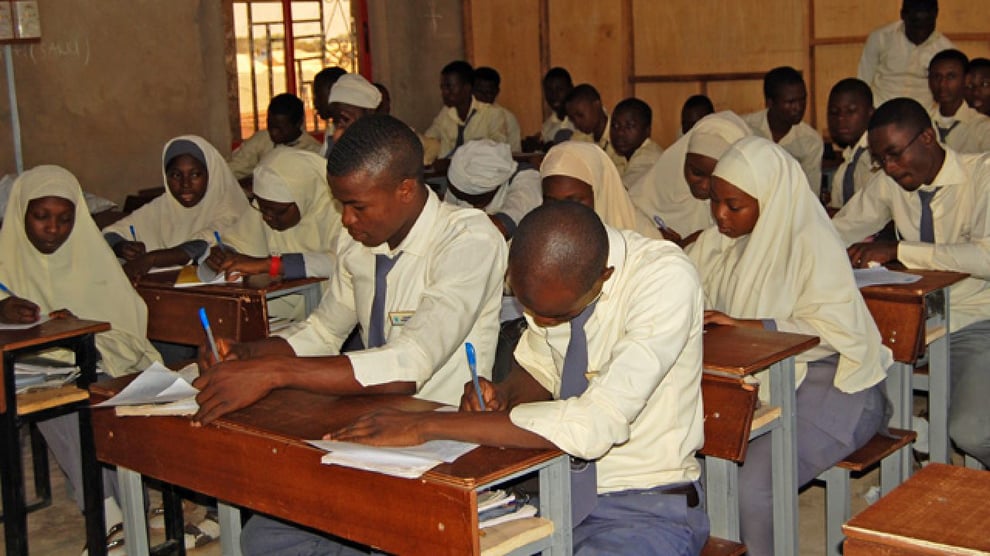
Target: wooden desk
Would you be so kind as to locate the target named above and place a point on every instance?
(257, 458)
(940, 510)
(737, 352)
(910, 317)
(77, 335)
(238, 311)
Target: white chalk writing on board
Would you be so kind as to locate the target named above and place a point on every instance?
(50, 50)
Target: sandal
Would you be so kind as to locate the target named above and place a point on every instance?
(114, 540)
(203, 533)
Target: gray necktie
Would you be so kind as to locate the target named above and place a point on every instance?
(943, 132)
(460, 133)
(573, 382)
(376, 325)
(848, 179)
(927, 225)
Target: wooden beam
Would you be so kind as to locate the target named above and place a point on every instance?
(703, 77)
(468, 27)
(544, 49)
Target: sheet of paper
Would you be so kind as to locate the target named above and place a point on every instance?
(881, 276)
(160, 269)
(406, 461)
(156, 384)
(5, 326)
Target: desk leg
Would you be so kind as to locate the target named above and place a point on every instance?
(938, 396)
(230, 529)
(555, 503)
(784, 458)
(92, 471)
(722, 497)
(311, 297)
(14, 510)
(894, 471)
(135, 520)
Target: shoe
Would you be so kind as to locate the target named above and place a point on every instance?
(203, 533)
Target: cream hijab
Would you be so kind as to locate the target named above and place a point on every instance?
(82, 276)
(164, 223)
(289, 176)
(793, 266)
(589, 163)
(664, 192)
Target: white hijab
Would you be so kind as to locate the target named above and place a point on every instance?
(589, 163)
(164, 223)
(82, 276)
(792, 266)
(664, 192)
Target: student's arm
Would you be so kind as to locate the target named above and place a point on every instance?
(870, 58)
(245, 158)
(14, 310)
(162, 258)
(811, 163)
(867, 212)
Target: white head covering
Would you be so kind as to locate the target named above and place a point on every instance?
(664, 192)
(589, 163)
(289, 176)
(792, 266)
(83, 275)
(481, 166)
(355, 90)
(164, 223)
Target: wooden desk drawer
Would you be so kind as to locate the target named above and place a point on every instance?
(173, 316)
(901, 327)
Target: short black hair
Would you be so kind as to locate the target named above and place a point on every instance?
(485, 73)
(978, 64)
(558, 72)
(461, 69)
(287, 104)
(583, 91)
(780, 77)
(699, 101)
(375, 144)
(905, 113)
(853, 86)
(919, 6)
(561, 239)
(950, 54)
(638, 109)
(328, 75)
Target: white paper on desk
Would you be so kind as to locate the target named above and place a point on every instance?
(408, 461)
(161, 269)
(879, 275)
(156, 384)
(42, 319)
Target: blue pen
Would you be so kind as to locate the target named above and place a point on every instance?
(220, 244)
(659, 222)
(473, 365)
(133, 233)
(6, 290)
(209, 333)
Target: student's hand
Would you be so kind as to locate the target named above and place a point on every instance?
(15, 310)
(236, 264)
(862, 254)
(226, 347)
(217, 257)
(137, 268)
(61, 314)
(385, 427)
(231, 385)
(718, 317)
(129, 250)
(494, 400)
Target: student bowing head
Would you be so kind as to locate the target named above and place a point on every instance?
(285, 118)
(903, 143)
(376, 174)
(584, 108)
(352, 98)
(709, 139)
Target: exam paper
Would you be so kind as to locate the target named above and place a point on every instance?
(408, 461)
(156, 384)
(5, 326)
(879, 275)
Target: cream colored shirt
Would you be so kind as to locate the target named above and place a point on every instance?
(641, 416)
(445, 290)
(961, 217)
(514, 199)
(552, 125)
(488, 122)
(246, 157)
(512, 125)
(861, 173)
(970, 130)
(895, 67)
(802, 142)
(638, 164)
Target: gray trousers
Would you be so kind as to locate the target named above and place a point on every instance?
(969, 415)
(830, 425)
(62, 436)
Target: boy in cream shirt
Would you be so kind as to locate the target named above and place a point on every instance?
(464, 118)
(959, 127)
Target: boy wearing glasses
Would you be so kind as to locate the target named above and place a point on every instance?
(939, 201)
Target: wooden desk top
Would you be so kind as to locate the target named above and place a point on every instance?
(942, 509)
(738, 350)
(931, 280)
(53, 330)
(260, 283)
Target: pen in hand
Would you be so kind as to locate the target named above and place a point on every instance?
(133, 233)
(473, 365)
(220, 244)
(209, 333)
(6, 290)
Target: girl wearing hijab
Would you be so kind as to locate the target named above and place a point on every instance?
(174, 229)
(582, 172)
(775, 261)
(676, 188)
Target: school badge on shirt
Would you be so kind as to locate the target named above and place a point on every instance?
(399, 318)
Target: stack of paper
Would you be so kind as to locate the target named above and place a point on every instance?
(156, 391)
(878, 275)
(409, 462)
(496, 507)
(29, 376)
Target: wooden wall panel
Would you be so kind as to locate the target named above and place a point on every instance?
(853, 18)
(666, 100)
(506, 36)
(589, 39)
(974, 49)
(963, 16)
(741, 97)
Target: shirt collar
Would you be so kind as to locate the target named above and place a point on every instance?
(417, 240)
(849, 152)
(476, 106)
(951, 173)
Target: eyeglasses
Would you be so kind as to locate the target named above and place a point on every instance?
(880, 162)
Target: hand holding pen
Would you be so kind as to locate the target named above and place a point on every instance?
(15, 310)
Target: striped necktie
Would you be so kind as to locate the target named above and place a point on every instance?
(573, 382)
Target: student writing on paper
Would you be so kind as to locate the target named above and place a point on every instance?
(201, 196)
(608, 371)
(773, 261)
(351, 98)
(938, 200)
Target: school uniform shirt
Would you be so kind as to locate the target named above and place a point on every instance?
(861, 172)
(638, 164)
(792, 269)
(968, 131)
(512, 125)
(246, 157)
(82, 276)
(445, 290)
(895, 67)
(641, 416)
(521, 194)
(483, 121)
(554, 125)
(961, 221)
(802, 141)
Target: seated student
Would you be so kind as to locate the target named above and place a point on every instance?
(56, 264)
(938, 200)
(483, 175)
(895, 58)
(582, 172)
(557, 84)
(323, 82)
(584, 110)
(959, 127)
(385, 106)
(774, 261)
(786, 98)
(351, 98)
(850, 106)
(174, 228)
(464, 118)
(487, 83)
(676, 188)
(978, 85)
(695, 108)
(634, 151)
(609, 371)
(285, 127)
